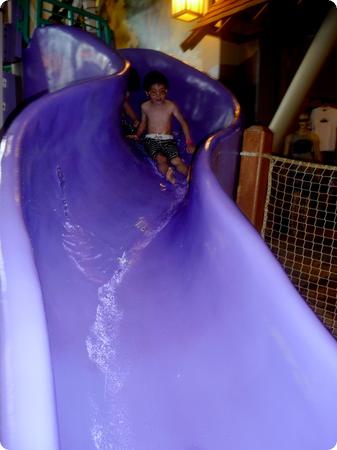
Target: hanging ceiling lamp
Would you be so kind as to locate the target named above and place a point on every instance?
(188, 10)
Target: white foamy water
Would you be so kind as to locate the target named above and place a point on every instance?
(110, 425)
(90, 256)
(111, 429)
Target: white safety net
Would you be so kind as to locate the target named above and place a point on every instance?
(300, 228)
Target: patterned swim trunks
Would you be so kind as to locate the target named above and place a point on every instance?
(164, 144)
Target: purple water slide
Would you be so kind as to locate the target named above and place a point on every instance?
(137, 315)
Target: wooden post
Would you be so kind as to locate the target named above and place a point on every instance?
(253, 178)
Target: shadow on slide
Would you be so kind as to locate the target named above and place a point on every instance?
(136, 315)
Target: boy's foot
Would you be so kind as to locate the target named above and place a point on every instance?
(170, 175)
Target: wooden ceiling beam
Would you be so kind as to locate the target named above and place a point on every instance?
(236, 7)
(224, 24)
(194, 38)
(228, 11)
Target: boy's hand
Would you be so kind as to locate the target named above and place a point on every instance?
(134, 137)
(190, 147)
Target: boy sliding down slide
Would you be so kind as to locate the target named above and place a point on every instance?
(156, 117)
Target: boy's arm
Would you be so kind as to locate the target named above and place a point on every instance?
(177, 114)
(141, 127)
(130, 112)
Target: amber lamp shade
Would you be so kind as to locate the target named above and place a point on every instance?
(188, 10)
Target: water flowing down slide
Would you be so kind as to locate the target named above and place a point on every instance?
(137, 315)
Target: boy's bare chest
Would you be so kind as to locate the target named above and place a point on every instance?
(159, 113)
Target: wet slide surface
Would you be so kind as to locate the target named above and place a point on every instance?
(137, 315)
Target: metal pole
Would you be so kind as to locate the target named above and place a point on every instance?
(320, 48)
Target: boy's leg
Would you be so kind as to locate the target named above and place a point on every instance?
(170, 175)
(162, 163)
(179, 164)
(164, 168)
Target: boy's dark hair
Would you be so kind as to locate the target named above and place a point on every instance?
(155, 77)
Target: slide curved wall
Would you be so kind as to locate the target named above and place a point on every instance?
(140, 315)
